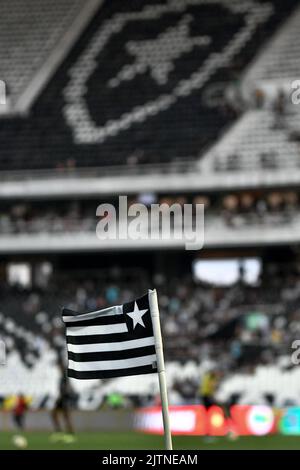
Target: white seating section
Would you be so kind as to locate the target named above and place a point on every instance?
(136, 69)
(280, 61)
(156, 56)
(257, 142)
(281, 382)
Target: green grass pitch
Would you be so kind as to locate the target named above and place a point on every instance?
(135, 441)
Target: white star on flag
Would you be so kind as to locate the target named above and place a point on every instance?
(136, 316)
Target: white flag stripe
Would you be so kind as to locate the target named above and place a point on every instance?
(97, 330)
(105, 347)
(112, 365)
(116, 310)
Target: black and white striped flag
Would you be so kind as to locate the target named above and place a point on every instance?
(113, 342)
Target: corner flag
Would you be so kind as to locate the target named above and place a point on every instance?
(118, 341)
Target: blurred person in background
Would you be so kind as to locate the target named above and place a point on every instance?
(230, 208)
(61, 411)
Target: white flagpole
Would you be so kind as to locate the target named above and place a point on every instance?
(154, 310)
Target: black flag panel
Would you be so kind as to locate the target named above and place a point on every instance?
(114, 342)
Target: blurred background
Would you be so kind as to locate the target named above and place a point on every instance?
(187, 101)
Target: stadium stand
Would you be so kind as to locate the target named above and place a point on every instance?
(266, 137)
(245, 331)
(233, 209)
(106, 102)
(235, 219)
(279, 60)
(260, 141)
(131, 93)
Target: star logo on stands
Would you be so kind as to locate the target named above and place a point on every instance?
(136, 316)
